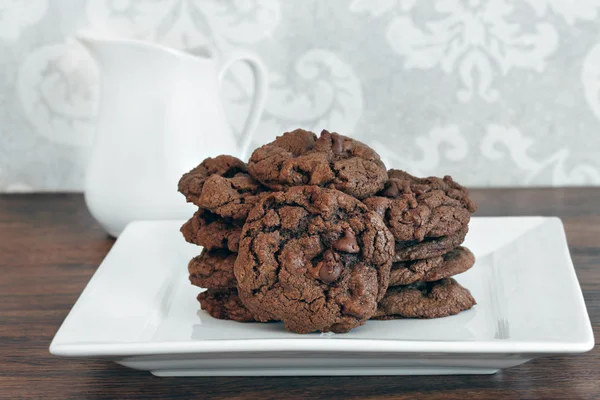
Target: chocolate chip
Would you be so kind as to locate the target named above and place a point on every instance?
(413, 217)
(347, 243)
(337, 143)
(329, 267)
(330, 273)
(420, 189)
(392, 190)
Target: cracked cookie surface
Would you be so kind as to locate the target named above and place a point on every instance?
(224, 304)
(415, 208)
(316, 259)
(298, 158)
(405, 181)
(452, 263)
(222, 186)
(212, 232)
(213, 269)
(425, 300)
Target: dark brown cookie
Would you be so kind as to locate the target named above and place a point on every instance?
(430, 247)
(411, 217)
(192, 182)
(415, 208)
(224, 304)
(453, 263)
(403, 182)
(222, 186)
(213, 269)
(335, 161)
(316, 259)
(425, 300)
(212, 232)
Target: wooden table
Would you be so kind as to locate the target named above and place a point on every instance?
(50, 246)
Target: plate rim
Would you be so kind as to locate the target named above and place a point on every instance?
(318, 345)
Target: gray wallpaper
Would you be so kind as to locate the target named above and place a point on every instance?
(494, 92)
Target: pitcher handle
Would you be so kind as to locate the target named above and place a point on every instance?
(260, 90)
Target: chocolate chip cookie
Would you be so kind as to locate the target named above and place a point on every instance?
(212, 232)
(334, 161)
(213, 269)
(429, 247)
(411, 217)
(415, 208)
(224, 304)
(316, 259)
(222, 186)
(425, 300)
(400, 182)
(453, 263)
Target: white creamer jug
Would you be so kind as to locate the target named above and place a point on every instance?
(160, 114)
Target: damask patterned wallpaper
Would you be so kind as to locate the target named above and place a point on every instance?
(494, 92)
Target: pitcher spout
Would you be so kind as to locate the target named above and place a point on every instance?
(98, 46)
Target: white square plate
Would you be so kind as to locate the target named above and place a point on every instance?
(140, 311)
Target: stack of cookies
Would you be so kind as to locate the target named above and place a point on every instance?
(429, 219)
(224, 194)
(316, 233)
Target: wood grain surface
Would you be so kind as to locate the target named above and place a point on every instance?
(50, 246)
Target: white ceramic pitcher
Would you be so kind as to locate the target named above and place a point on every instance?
(160, 115)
